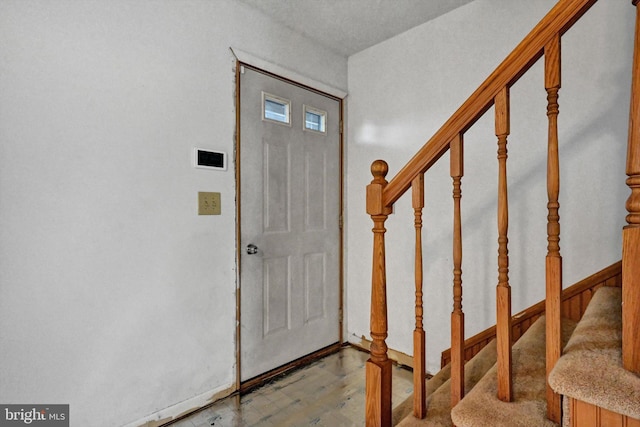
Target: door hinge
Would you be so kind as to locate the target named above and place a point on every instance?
(341, 221)
(341, 127)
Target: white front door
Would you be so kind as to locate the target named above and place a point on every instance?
(289, 165)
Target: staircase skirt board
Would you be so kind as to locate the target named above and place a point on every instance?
(482, 408)
(591, 369)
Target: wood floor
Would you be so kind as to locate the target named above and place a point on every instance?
(328, 392)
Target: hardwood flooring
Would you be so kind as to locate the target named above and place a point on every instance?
(328, 392)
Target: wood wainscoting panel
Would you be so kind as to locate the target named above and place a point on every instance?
(584, 414)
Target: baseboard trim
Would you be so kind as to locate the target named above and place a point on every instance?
(183, 409)
(200, 403)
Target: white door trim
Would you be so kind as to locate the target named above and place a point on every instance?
(249, 59)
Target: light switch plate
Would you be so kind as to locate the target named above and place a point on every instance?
(209, 203)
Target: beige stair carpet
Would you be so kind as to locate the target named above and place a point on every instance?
(591, 367)
(439, 402)
(482, 408)
(405, 409)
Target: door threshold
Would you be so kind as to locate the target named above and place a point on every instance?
(260, 380)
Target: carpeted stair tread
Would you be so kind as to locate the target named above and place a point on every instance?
(482, 408)
(439, 401)
(405, 409)
(591, 368)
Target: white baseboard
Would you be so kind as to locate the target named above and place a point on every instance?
(183, 408)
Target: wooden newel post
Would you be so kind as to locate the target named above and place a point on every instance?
(631, 232)
(378, 370)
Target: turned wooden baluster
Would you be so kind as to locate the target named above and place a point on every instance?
(419, 370)
(378, 370)
(631, 232)
(553, 260)
(503, 290)
(457, 315)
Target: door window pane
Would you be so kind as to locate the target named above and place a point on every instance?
(315, 120)
(276, 109)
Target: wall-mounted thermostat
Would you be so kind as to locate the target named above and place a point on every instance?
(208, 159)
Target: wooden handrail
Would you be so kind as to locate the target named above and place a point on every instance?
(557, 21)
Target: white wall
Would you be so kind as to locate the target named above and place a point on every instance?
(402, 90)
(115, 297)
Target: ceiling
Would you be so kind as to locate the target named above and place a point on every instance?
(349, 26)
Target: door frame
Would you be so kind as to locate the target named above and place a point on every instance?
(245, 60)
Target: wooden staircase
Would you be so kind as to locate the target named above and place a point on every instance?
(544, 40)
(480, 357)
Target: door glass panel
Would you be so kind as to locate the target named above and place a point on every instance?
(276, 109)
(315, 120)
